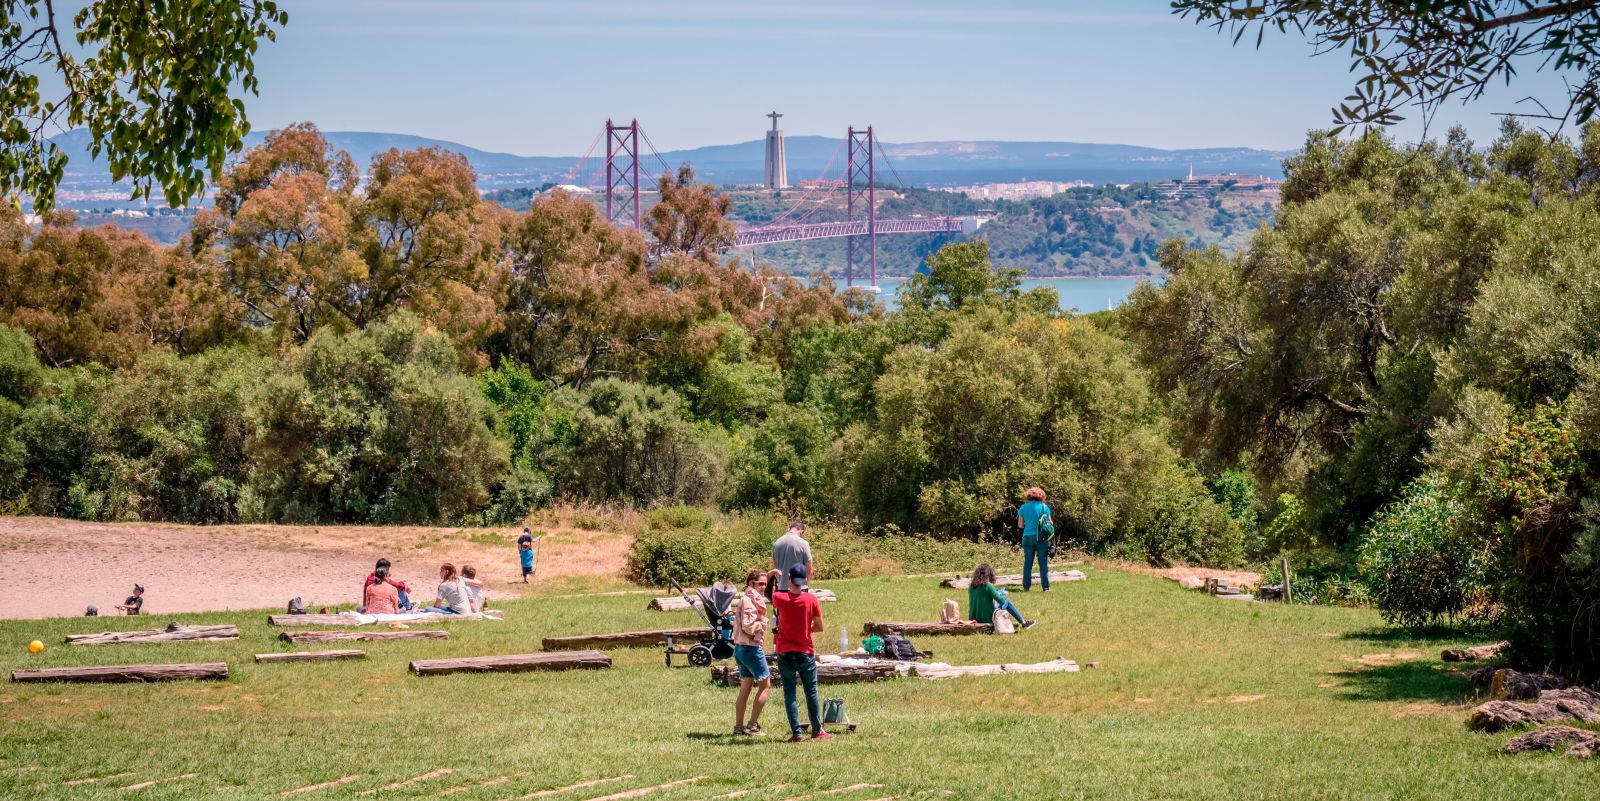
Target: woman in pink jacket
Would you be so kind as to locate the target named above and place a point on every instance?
(749, 633)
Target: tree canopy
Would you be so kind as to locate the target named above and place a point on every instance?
(154, 83)
(1426, 52)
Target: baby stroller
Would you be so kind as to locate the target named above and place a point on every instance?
(715, 607)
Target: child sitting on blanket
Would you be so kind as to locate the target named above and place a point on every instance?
(469, 577)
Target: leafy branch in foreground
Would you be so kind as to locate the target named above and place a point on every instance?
(1424, 52)
(152, 81)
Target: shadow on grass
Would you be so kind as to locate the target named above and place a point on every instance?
(717, 738)
(1392, 634)
(1418, 680)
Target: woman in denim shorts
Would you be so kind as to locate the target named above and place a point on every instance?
(749, 632)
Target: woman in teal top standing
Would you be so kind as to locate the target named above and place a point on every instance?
(1034, 546)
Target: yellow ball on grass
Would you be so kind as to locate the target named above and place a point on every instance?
(35, 647)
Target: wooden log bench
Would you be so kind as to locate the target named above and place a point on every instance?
(677, 604)
(125, 673)
(964, 582)
(512, 663)
(827, 673)
(174, 632)
(304, 637)
(625, 639)
(311, 656)
(303, 621)
(925, 629)
(1473, 653)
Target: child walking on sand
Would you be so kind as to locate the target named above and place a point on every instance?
(525, 552)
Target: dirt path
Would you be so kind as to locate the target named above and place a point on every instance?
(51, 567)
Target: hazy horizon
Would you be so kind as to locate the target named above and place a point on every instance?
(539, 78)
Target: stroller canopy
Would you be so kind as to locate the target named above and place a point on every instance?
(717, 599)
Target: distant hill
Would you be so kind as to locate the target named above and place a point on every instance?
(87, 182)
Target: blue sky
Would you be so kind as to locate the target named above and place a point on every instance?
(538, 77)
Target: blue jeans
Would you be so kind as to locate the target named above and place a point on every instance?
(1010, 609)
(1033, 547)
(405, 600)
(439, 610)
(752, 662)
(801, 665)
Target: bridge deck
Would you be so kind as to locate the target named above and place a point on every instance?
(794, 233)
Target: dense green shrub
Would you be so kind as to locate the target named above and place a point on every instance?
(684, 543)
(163, 439)
(1415, 564)
(695, 546)
(782, 463)
(634, 443)
(375, 426)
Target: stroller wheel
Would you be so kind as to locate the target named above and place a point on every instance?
(699, 656)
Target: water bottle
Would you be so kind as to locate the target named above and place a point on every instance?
(844, 640)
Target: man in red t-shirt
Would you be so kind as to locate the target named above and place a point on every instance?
(799, 615)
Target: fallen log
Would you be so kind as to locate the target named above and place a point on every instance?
(303, 637)
(1057, 665)
(174, 632)
(1473, 653)
(925, 629)
(303, 621)
(125, 673)
(625, 639)
(964, 582)
(677, 604)
(311, 656)
(827, 673)
(512, 663)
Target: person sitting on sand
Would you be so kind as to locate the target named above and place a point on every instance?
(452, 597)
(400, 586)
(984, 596)
(381, 597)
(135, 602)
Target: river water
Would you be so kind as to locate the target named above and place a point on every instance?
(1081, 294)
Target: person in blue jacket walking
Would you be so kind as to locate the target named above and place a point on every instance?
(1033, 517)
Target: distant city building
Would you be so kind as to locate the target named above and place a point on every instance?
(1206, 186)
(822, 183)
(777, 165)
(1025, 190)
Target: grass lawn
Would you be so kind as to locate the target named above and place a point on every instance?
(1196, 699)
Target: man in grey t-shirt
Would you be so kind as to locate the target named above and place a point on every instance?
(791, 549)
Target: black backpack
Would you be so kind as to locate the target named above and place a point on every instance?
(297, 606)
(896, 646)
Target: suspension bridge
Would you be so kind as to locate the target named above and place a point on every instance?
(619, 174)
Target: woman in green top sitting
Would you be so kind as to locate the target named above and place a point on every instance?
(984, 596)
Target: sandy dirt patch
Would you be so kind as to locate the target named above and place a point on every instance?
(51, 567)
(1176, 572)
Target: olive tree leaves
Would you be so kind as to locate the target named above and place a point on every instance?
(153, 81)
(1424, 52)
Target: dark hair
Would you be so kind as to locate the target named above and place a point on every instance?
(381, 571)
(983, 575)
(750, 578)
(469, 571)
(383, 564)
(797, 523)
